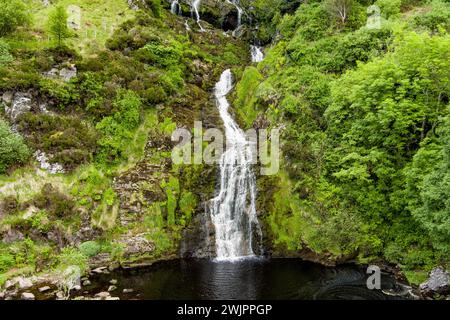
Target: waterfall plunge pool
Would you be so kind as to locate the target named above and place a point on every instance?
(249, 279)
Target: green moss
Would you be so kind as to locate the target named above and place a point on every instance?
(416, 277)
(89, 248)
(246, 95)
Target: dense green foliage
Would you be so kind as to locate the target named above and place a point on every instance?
(365, 111)
(57, 25)
(364, 114)
(13, 150)
(13, 14)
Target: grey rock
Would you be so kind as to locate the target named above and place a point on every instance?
(44, 289)
(24, 283)
(103, 295)
(128, 291)
(12, 235)
(60, 295)
(99, 270)
(68, 73)
(112, 288)
(113, 281)
(7, 97)
(86, 283)
(438, 282)
(21, 103)
(9, 284)
(27, 296)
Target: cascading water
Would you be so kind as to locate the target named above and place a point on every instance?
(195, 9)
(257, 54)
(175, 7)
(233, 211)
(239, 10)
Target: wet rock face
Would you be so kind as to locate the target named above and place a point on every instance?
(438, 282)
(230, 21)
(199, 238)
(218, 13)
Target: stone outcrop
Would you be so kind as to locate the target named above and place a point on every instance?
(438, 282)
(60, 72)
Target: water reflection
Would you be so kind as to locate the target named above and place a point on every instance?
(250, 279)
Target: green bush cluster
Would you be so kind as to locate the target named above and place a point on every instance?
(363, 117)
(14, 14)
(13, 150)
(69, 139)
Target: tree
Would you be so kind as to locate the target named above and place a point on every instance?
(58, 25)
(13, 14)
(339, 9)
(12, 148)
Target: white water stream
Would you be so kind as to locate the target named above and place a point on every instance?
(233, 211)
(257, 54)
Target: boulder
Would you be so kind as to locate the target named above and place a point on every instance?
(112, 288)
(11, 236)
(21, 103)
(27, 296)
(44, 289)
(438, 282)
(24, 283)
(103, 295)
(86, 283)
(68, 73)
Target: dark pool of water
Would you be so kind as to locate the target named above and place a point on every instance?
(249, 279)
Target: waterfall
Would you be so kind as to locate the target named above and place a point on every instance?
(175, 7)
(233, 210)
(257, 55)
(195, 9)
(239, 10)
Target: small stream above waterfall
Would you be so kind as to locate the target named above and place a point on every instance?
(233, 210)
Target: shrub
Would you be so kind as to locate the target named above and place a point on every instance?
(14, 13)
(5, 55)
(7, 261)
(10, 205)
(89, 248)
(438, 17)
(389, 8)
(55, 202)
(13, 150)
(72, 257)
(68, 139)
(117, 129)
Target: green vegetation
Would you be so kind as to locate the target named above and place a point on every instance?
(109, 126)
(13, 150)
(364, 114)
(365, 143)
(57, 25)
(13, 14)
